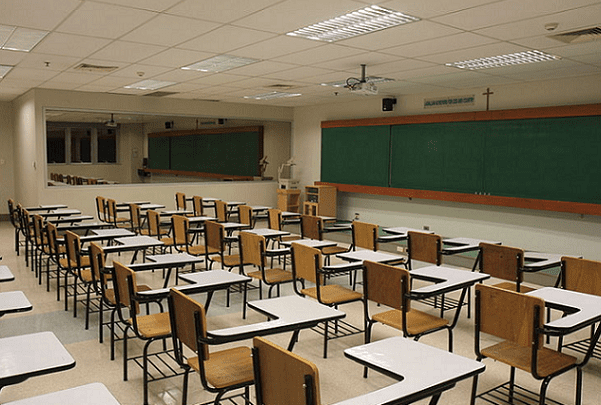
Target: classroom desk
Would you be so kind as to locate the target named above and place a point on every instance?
(106, 234)
(201, 220)
(398, 233)
(286, 314)
(289, 217)
(71, 219)
(166, 261)
(314, 243)
(267, 232)
(462, 245)
(445, 280)
(537, 261)
(6, 274)
(362, 255)
(90, 394)
(59, 213)
(132, 243)
(49, 207)
(423, 371)
(82, 226)
(168, 213)
(13, 301)
(31, 355)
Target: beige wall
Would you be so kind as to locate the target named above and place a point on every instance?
(530, 229)
(7, 162)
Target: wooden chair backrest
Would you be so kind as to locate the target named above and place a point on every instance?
(38, 230)
(182, 310)
(245, 215)
(311, 227)
(581, 275)
(101, 208)
(14, 214)
(252, 247)
(214, 234)
(283, 376)
(72, 244)
(154, 223)
(92, 181)
(504, 262)
(306, 261)
(180, 201)
(180, 226)
(221, 210)
(508, 315)
(124, 280)
(424, 247)
(52, 234)
(197, 206)
(111, 209)
(134, 212)
(386, 285)
(274, 219)
(365, 235)
(97, 263)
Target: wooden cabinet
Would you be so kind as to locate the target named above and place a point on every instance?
(288, 200)
(320, 200)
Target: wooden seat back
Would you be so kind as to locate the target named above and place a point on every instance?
(135, 215)
(311, 227)
(274, 219)
(386, 285)
(500, 261)
(365, 235)
(581, 275)
(282, 377)
(197, 206)
(424, 247)
(245, 215)
(214, 236)
(306, 261)
(180, 201)
(126, 287)
(180, 226)
(101, 208)
(188, 323)
(221, 210)
(252, 247)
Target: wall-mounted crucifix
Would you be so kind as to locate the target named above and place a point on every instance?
(487, 94)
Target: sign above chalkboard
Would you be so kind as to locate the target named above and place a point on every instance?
(452, 101)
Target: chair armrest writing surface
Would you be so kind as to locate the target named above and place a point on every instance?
(445, 279)
(341, 268)
(277, 252)
(391, 238)
(6, 274)
(90, 394)
(14, 301)
(537, 261)
(462, 245)
(423, 370)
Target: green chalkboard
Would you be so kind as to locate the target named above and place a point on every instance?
(157, 158)
(356, 155)
(539, 158)
(228, 151)
(440, 157)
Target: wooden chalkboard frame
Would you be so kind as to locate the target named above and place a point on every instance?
(515, 114)
(167, 164)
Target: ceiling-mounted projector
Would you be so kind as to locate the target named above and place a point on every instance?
(364, 89)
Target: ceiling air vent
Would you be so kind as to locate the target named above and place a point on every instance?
(86, 67)
(576, 37)
(160, 94)
(280, 86)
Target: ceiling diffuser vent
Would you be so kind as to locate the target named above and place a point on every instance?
(160, 94)
(86, 67)
(576, 37)
(280, 86)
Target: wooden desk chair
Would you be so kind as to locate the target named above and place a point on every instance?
(506, 263)
(42, 246)
(136, 220)
(197, 206)
(253, 251)
(180, 201)
(156, 231)
(312, 228)
(221, 211)
(182, 240)
(220, 371)
(275, 221)
(246, 217)
(584, 276)
(28, 233)
(15, 222)
(391, 286)
(79, 269)
(427, 247)
(148, 328)
(58, 256)
(101, 209)
(307, 266)
(282, 377)
(216, 245)
(113, 216)
(518, 320)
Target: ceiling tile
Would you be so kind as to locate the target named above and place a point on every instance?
(484, 51)
(152, 5)
(177, 75)
(298, 73)
(23, 73)
(42, 15)
(122, 51)
(262, 68)
(140, 72)
(431, 8)
(290, 15)
(174, 57)
(103, 20)
(56, 62)
(69, 45)
(226, 39)
(278, 46)
(223, 11)
(320, 54)
(169, 30)
(218, 79)
(352, 63)
(442, 44)
(11, 57)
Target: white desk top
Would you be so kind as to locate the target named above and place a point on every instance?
(259, 208)
(423, 369)
(201, 219)
(150, 206)
(48, 207)
(588, 307)
(113, 233)
(232, 226)
(174, 258)
(447, 278)
(6, 274)
(288, 214)
(62, 212)
(203, 281)
(26, 356)
(402, 231)
(317, 244)
(286, 313)
(268, 233)
(138, 241)
(90, 394)
(362, 255)
(535, 261)
(176, 212)
(13, 301)
(127, 203)
(460, 245)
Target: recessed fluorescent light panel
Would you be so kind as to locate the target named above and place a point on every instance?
(149, 85)
(4, 69)
(363, 21)
(504, 60)
(220, 63)
(371, 79)
(19, 39)
(273, 94)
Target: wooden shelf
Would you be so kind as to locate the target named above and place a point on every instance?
(320, 200)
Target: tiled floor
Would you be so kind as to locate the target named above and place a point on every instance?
(340, 377)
